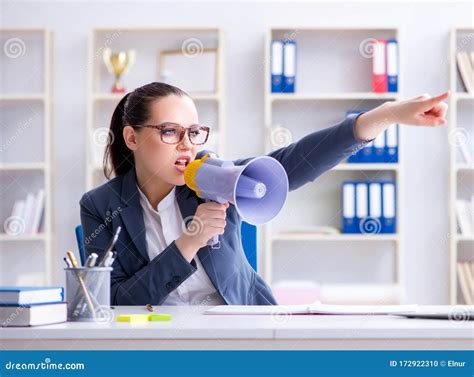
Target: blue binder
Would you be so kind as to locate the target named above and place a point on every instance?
(374, 224)
(391, 144)
(289, 66)
(362, 155)
(348, 207)
(389, 205)
(392, 65)
(366, 154)
(277, 66)
(378, 149)
(362, 205)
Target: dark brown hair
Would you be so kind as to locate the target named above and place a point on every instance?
(133, 109)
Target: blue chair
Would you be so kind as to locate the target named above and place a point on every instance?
(249, 243)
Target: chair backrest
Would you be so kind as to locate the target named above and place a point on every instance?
(249, 243)
(247, 231)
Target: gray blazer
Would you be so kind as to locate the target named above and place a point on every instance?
(137, 280)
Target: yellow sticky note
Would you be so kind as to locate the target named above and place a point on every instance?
(132, 318)
(159, 317)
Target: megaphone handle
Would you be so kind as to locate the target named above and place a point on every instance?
(214, 242)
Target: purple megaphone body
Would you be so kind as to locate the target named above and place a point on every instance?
(258, 190)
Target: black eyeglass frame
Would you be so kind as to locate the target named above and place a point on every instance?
(182, 132)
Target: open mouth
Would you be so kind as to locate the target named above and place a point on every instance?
(182, 162)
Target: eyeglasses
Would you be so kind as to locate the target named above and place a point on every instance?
(172, 133)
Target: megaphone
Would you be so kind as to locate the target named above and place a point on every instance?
(258, 190)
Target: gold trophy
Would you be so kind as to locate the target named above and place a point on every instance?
(118, 64)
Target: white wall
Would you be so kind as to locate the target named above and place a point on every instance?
(424, 26)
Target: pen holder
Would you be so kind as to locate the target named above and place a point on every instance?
(88, 294)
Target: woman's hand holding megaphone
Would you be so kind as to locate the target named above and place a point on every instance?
(208, 221)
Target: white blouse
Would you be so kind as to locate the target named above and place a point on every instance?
(164, 225)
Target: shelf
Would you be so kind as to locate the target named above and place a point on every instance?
(22, 166)
(460, 167)
(22, 97)
(332, 96)
(366, 166)
(23, 237)
(148, 41)
(460, 115)
(334, 237)
(117, 97)
(460, 237)
(463, 96)
(325, 91)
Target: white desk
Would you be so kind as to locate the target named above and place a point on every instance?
(190, 329)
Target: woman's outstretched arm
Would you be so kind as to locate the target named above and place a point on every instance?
(320, 151)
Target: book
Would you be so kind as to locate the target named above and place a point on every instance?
(361, 294)
(466, 71)
(466, 281)
(464, 216)
(455, 313)
(38, 209)
(317, 308)
(30, 295)
(32, 315)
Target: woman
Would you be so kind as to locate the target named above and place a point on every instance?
(162, 257)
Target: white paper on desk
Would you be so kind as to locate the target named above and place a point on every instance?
(310, 309)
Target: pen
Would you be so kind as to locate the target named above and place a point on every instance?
(91, 260)
(108, 252)
(114, 239)
(73, 261)
(68, 264)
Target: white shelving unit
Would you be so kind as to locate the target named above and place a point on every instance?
(461, 175)
(320, 101)
(26, 161)
(147, 42)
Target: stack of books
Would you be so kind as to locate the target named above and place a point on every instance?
(465, 63)
(27, 215)
(465, 216)
(32, 306)
(466, 281)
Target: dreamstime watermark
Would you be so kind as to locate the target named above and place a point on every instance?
(459, 314)
(192, 47)
(104, 314)
(14, 225)
(458, 137)
(14, 48)
(12, 139)
(370, 225)
(13, 316)
(47, 364)
(192, 225)
(280, 315)
(107, 43)
(109, 217)
(101, 136)
(366, 47)
(290, 37)
(281, 137)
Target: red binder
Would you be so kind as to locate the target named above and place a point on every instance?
(379, 64)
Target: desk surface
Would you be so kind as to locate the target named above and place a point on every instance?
(190, 328)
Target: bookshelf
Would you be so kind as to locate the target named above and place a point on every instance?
(26, 162)
(101, 102)
(291, 246)
(461, 174)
